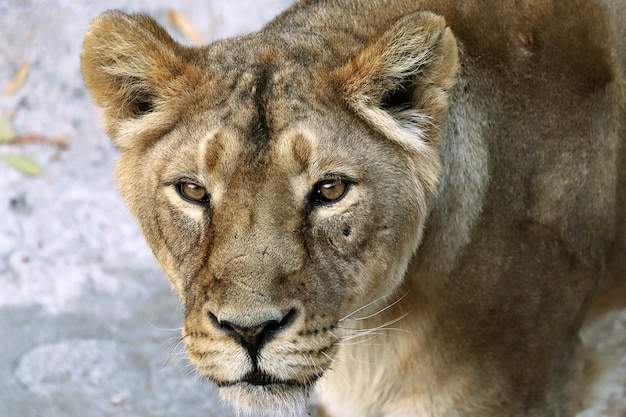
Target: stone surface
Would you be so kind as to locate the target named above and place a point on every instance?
(88, 324)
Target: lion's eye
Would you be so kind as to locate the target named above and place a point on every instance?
(192, 192)
(329, 191)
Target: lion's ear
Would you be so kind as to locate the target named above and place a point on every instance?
(140, 77)
(399, 82)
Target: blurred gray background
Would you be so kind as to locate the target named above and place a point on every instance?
(88, 324)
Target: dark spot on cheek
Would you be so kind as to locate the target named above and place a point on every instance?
(347, 231)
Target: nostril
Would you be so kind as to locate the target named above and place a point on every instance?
(252, 337)
(288, 320)
(220, 325)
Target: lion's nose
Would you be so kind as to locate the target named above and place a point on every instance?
(252, 337)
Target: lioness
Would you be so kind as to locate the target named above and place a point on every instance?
(408, 204)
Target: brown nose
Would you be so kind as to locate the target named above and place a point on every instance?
(252, 337)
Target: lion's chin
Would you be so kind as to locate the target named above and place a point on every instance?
(271, 399)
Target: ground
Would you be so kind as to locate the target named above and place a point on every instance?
(88, 324)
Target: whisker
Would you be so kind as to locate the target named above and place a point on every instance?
(173, 353)
(176, 329)
(335, 336)
(366, 306)
(309, 359)
(178, 358)
(191, 369)
(384, 309)
(364, 334)
(382, 326)
(383, 329)
(361, 342)
(372, 303)
(355, 333)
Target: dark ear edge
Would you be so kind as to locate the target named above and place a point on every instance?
(137, 74)
(399, 82)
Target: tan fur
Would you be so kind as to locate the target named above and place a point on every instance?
(484, 148)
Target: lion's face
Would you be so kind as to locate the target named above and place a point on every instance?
(273, 223)
(276, 213)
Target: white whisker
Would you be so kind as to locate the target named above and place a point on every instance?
(353, 335)
(176, 329)
(365, 306)
(313, 365)
(383, 309)
(347, 317)
(330, 358)
(358, 342)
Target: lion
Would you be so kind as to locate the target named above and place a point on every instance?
(408, 206)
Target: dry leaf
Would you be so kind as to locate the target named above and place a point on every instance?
(185, 27)
(18, 79)
(7, 131)
(34, 138)
(23, 164)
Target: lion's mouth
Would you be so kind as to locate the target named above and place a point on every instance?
(253, 378)
(261, 379)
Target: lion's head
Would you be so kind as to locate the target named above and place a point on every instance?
(283, 190)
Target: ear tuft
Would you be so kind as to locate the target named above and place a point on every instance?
(138, 74)
(399, 82)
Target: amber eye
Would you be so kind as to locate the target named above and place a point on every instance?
(329, 191)
(192, 192)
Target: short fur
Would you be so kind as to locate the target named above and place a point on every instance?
(484, 147)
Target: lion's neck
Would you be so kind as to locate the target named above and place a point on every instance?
(389, 363)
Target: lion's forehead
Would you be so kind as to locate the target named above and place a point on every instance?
(270, 125)
(260, 99)
(267, 115)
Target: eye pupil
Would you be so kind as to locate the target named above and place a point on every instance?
(329, 191)
(193, 193)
